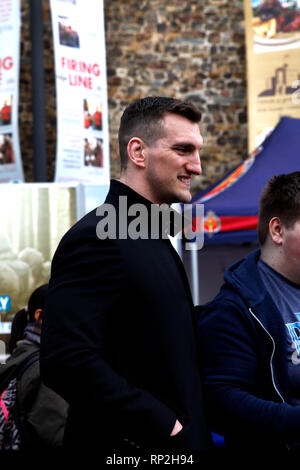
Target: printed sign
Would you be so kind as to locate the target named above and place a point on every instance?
(273, 63)
(81, 89)
(5, 303)
(10, 158)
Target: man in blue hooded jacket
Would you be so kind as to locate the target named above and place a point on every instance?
(250, 333)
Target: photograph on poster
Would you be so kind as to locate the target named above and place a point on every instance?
(5, 109)
(93, 152)
(7, 154)
(276, 22)
(68, 34)
(92, 112)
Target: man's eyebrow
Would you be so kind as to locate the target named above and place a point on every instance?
(185, 145)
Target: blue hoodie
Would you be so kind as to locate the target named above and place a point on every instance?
(243, 352)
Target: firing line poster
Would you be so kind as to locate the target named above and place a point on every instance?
(81, 91)
(10, 157)
(273, 64)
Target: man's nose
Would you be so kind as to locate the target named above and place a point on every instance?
(194, 165)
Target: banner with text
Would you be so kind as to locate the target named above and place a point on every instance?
(273, 65)
(10, 157)
(81, 91)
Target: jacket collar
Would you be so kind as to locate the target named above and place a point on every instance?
(176, 220)
(120, 189)
(244, 278)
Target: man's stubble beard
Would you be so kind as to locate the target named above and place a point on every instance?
(166, 196)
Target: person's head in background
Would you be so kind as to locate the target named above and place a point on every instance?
(31, 314)
(279, 225)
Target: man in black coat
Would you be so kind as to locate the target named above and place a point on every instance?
(119, 338)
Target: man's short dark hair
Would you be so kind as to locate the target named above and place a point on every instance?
(37, 300)
(279, 198)
(143, 118)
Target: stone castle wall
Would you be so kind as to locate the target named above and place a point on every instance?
(191, 49)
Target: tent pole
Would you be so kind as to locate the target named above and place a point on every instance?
(195, 276)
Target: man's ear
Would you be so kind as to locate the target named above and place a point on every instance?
(135, 150)
(38, 314)
(276, 229)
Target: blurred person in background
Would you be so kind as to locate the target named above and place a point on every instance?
(40, 412)
(250, 333)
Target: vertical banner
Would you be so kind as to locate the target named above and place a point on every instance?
(273, 64)
(81, 90)
(10, 158)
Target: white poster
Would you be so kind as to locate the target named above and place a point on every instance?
(10, 158)
(273, 71)
(81, 91)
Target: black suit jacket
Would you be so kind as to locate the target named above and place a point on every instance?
(119, 339)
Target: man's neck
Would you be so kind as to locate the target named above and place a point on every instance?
(137, 187)
(275, 259)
